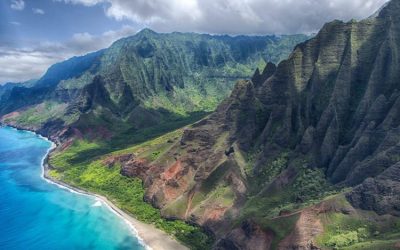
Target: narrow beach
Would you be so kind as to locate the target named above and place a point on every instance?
(152, 237)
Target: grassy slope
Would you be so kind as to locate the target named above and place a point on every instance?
(362, 230)
(82, 165)
(205, 86)
(359, 230)
(127, 193)
(35, 116)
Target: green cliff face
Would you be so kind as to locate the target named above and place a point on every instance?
(142, 81)
(141, 87)
(301, 147)
(304, 155)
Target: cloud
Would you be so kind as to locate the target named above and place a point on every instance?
(17, 4)
(84, 2)
(38, 11)
(21, 64)
(15, 23)
(85, 42)
(235, 16)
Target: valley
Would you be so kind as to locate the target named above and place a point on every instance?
(234, 142)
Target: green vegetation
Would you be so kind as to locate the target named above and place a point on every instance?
(359, 231)
(347, 238)
(275, 168)
(265, 211)
(37, 115)
(140, 88)
(266, 174)
(310, 184)
(126, 137)
(89, 173)
(265, 205)
(282, 227)
(144, 80)
(150, 84)
(126, 193)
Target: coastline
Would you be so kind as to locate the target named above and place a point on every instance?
(148, 235)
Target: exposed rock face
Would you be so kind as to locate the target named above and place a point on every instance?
(380, 194)
(335, 103)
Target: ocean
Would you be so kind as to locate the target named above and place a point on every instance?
(36, 214)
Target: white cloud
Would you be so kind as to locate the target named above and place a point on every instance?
(235, 16)
(38, 11)
(84, 2)
(15, 23)
(17, 4)
(22, 64)
(85, 42)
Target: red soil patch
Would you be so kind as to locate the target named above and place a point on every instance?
(10, 115)
(171, 192)
(215, 213)
(173, 170)
(66, 145)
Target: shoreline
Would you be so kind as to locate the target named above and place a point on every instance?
(148, 235)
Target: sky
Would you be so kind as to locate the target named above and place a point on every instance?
(35, 34)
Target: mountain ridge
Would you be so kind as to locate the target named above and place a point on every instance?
(322, 120)
(304, 155)
(176, 73)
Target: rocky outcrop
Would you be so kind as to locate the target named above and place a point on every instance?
(334, 105)
(380, 194)
(332, 108)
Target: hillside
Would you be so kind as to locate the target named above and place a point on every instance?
(129, 94)
(302, 156)
(141, 81)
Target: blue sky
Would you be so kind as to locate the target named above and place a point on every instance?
(37, 33)
(46, 20)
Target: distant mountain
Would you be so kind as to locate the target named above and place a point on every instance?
(305, 155)
(6, 87)
(142, 81)
(302, 155)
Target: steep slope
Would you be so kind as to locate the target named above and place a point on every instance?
(141, 81)
(30, 93)
(324, 122)
(302, 156)
(140, 88)
(6, 87)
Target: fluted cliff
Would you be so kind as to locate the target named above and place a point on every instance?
(323, 123)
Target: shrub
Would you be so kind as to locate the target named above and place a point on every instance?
(343, 240)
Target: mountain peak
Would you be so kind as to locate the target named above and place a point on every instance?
(391, 8)
(146, 31)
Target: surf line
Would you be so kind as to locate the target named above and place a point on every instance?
(83, 193)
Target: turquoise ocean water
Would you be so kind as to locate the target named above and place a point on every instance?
(35, 214)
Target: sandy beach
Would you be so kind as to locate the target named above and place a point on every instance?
(152, 237)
